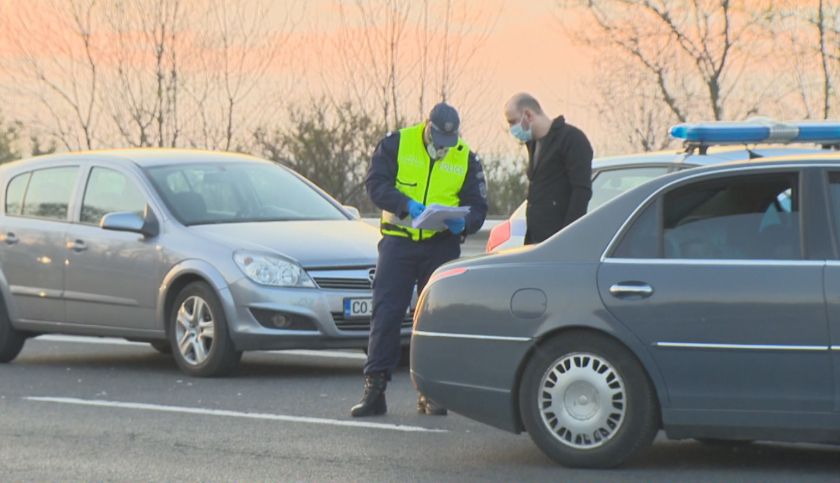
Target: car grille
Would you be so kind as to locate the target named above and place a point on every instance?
(364, 324)
(343, 283)
(358, 278)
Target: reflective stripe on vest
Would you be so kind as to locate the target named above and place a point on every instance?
(425, 181)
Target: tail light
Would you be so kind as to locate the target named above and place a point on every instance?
(446, 273)
(498, 235)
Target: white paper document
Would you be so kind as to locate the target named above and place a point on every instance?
(434, 214)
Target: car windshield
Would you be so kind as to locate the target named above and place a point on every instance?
(238, 192)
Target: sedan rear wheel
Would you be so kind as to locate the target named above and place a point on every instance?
(199, 330)
(587, 402)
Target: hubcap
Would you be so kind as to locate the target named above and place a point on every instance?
(582, 400)
(195, 330)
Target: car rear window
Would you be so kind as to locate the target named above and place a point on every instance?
(45, 193)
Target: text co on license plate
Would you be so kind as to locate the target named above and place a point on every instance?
(354, 308)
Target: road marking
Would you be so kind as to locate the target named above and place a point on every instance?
(113, 341)
(234, 414)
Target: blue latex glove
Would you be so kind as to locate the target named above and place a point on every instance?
(456, 225)
(415, 208)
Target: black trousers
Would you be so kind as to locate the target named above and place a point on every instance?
(401, 263)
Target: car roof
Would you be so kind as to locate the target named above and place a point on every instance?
(714, 155)
(144, 157)
(821, 158)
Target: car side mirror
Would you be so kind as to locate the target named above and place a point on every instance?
(353, 211)
(131, 222)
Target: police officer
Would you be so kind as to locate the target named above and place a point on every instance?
(410, 169)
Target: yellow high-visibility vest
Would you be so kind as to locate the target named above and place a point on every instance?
(424, 180)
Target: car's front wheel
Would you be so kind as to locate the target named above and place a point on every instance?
(587, 402)
(198, 329)
(11, 339)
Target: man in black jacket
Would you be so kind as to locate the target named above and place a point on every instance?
(559, 167)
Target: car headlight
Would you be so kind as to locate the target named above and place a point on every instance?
(272, 270)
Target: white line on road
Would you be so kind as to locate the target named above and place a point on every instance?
(114, 341)
(235, 414)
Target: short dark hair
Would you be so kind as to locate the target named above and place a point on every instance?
(523, 100)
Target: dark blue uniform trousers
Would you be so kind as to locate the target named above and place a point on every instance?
(401, 263)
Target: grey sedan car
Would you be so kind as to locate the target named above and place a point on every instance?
(204, 254)
(705, 303)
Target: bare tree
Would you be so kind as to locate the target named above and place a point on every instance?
(368, 51)
(691, 49)
(143, 99)
(147, 72)
(630, 103)
(243, 45)
(398, 57)
(809, 37)
(59, 68)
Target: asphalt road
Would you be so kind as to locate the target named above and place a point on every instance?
(99, 410)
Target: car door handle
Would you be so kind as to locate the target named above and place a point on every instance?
(631, 290)
(78, 246)
(10, 238)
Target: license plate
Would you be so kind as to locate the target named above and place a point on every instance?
(358, 308)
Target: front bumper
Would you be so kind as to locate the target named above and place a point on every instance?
(319, 316)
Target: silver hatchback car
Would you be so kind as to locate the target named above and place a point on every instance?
(204, 254)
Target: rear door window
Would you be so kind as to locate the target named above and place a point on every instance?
(753, 217)
(744, 217)
(49, 191)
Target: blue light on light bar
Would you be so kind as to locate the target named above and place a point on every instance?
(759, 130)
(818, 131)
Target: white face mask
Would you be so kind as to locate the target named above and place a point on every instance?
(523, 135)
(434, 152)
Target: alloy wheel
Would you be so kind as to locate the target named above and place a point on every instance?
(195, 330)
(582, 400)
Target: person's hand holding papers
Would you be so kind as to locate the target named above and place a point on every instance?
(434, 215)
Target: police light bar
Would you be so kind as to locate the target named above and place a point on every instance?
(757, 130)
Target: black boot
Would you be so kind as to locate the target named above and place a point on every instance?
(427, 406)
(373, 401)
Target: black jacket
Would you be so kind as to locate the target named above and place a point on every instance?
(560, 180)
(381, 181)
